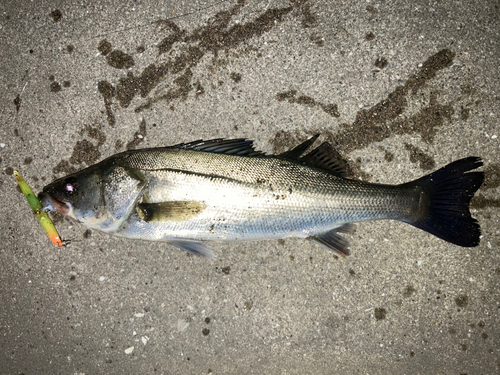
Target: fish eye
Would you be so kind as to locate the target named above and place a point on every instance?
(70, 187)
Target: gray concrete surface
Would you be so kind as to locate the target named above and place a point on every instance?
(401, 87)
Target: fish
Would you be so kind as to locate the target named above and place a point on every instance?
(193, 194)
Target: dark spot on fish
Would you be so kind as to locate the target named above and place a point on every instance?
(380, 313)
(9, 171)
(205, 331)
(291, 97)
(108, 92)
(104, 47)
(55, 87)
(140, 49)
(463, 347)
(207, 320)
(72, 277)
(17, 102)
(120, 60)
(370, 36)
(462, 300)
(351, 272)
(425, 161)
(381, 63)
(84, 152)
(226, 270)
(292, 258)
(371, 9)
(248, 305)
(66, 83)
(452, 331)
(138, 136)
(409, 291)
(56, 15)
(28, 160)
(236, 77)
(87, 233)
(70, 48)
(484, 335)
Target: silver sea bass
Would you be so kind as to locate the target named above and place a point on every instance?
(224, 190)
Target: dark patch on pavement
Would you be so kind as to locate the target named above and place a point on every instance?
(104, 47)
(385, 118)
(120, 60)
(248, 305)
(380, 313)
(56, 15)
(205, 331)
(236, 77)
(388, 156)
(381, 63)
(70, 48)
(28, 160)
(370, 36)
(108, 92)
(207, 320)
(409, 291)
(219, 34)
(291, 97)
(138, 136)
(55, 87)
(17, 102)
(417, 155)
(371, 9)
(462, 300)
(9, 171)
(491, 181)
(226, 270)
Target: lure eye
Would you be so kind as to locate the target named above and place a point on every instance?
(70, 187)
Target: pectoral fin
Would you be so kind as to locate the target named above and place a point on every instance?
(196, 248)
(333, 241)
(169, 211)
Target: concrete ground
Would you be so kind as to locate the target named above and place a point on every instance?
(400, 87)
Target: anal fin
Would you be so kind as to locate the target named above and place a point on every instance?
(332, 241)
(194, 247)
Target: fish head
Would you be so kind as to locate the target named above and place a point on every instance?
(77, 195)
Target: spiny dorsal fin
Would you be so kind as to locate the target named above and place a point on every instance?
(327, 158)
(239, 146)
(296, 152)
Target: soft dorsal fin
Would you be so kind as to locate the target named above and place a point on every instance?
(296, 152)
(239, 146)
(327, 158)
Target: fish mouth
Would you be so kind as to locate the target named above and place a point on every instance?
(49, 203)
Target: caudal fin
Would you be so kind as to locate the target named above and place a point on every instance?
(447, 194)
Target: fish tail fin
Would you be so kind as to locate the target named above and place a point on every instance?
(445, 196)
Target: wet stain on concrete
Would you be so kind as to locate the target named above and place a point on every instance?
(17, 102)
(381, 63)
(291, 97)
(218, 36)
(85, 152)
(248, 305)
(236, 77)
(380, 313)
(120, 60)
(462, 300)
(386, 118)
(491, 181)
(205, 331)
(138, 136)
(226, 270)
(418, 156)
(409, 291)
(56, 15)
(108, 92)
